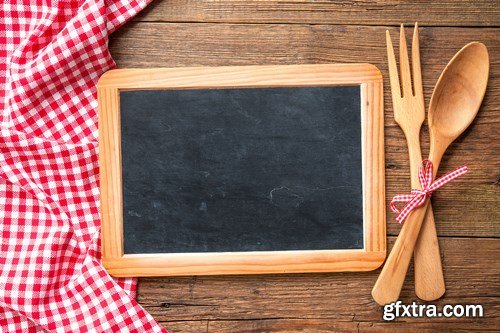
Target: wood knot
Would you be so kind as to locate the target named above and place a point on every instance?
(391, 166)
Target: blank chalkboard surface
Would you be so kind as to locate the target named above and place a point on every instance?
(255, 169)
(240, 174)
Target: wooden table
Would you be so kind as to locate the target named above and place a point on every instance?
(246, 32)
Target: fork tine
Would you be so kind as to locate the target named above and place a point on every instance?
(415, 63)
(404, 64)
(393, 69)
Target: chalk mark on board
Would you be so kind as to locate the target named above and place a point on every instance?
(289, 196)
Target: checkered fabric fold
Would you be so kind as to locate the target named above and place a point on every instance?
(51, 279)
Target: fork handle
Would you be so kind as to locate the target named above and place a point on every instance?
(390, 281)
(429, 279)
(392, 276)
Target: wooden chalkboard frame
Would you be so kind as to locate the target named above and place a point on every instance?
(173, 264)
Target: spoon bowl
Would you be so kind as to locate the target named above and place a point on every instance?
(458, 93)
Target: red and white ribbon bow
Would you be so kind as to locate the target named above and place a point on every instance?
(417, 197)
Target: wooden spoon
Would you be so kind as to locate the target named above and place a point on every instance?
(454, 105)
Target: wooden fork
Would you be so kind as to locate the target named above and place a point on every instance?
(409, 113)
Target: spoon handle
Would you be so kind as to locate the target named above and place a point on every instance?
(391, 278)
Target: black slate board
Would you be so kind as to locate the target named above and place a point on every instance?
(221, 170)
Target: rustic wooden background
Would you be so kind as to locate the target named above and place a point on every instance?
(175, 33)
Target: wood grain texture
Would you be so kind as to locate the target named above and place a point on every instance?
(169, 45)
(313, 325)
(173, 264)
(323, 302)
(392, 12)
(109, 171)
(327, 32)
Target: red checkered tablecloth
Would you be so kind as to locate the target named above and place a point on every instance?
(51, 280)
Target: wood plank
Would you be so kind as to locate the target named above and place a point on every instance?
(186, 326)
(329, 326)
(323, 302)
(389, 12)
(452, 325)
(282, 326)
(468, 207)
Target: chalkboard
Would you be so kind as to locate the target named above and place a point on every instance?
(246, 169)
(255, 169)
